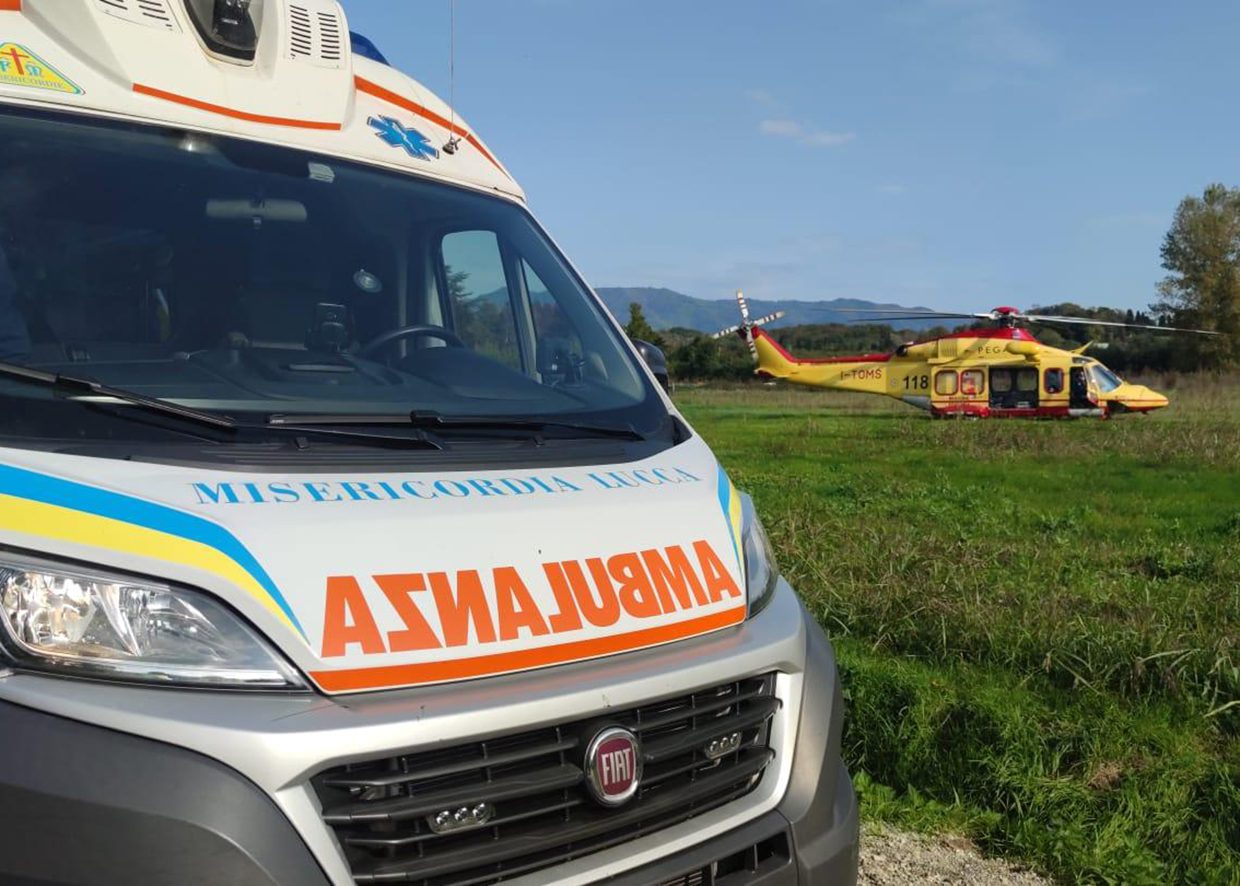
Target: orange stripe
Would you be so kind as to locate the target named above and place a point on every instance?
(10, 5)
(507, 662)
(231, 112)
(364, 85)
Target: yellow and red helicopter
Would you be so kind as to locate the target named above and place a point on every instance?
(998, 371)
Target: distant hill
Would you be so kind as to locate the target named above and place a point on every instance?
(666, 308)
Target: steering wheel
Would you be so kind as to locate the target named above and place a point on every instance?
(447, 336)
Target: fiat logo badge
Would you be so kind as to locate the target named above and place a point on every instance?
(613, 766)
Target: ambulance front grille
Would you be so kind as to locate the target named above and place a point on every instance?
(533, 782)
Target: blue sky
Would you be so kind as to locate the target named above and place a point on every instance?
(956, 154)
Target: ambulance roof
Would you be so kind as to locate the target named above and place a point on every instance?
(306, 88)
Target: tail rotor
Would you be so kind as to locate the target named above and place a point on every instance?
(746, 327)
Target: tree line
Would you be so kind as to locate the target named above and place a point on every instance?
(1200, 253)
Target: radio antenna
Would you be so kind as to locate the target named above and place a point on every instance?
(453, 141)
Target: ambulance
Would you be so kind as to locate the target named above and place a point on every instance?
(344, 538)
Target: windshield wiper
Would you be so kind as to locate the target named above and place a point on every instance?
(85, 387)
(533, 425)
(439, 422)
(421, 440)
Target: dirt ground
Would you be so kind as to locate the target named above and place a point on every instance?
(894, 858)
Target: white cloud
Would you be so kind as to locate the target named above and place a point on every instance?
(818, 138)
(786, 128)
(761, 97)
(828, 139)
(999, 30)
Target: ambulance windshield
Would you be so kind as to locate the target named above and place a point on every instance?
(249, 279)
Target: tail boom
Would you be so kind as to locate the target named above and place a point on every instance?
(864, 374)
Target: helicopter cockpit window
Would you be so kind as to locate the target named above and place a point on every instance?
(1105, 379)
(1052, 380)
(946, 382)
(972, 383)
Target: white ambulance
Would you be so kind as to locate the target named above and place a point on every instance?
(343, 536)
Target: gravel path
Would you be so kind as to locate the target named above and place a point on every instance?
(894, 858)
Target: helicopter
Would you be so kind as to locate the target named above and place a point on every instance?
(1001, 371)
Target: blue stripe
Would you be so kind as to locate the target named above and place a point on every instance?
(725, 502)
(138, 512)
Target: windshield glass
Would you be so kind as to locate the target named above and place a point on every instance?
(251, 280)
(1105, 379)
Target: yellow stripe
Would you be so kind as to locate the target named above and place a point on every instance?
(63, 524)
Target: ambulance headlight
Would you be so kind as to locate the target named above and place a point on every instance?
(761, 572)
(79, 621)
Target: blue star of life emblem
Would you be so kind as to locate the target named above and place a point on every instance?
(398, 135)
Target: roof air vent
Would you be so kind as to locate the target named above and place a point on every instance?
(329, 37)
(316, 33)
(301, 32)
(152, 13)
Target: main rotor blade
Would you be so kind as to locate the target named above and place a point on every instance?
(1085, 321)
(905, 313)
(890, 319)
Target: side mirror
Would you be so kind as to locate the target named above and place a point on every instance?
(656, 360)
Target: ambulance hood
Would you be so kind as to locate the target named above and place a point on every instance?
(370, 581)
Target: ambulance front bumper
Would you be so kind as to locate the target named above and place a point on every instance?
(105, 784)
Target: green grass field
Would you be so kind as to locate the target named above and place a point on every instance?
(1038, 623)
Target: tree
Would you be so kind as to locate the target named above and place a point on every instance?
(696, 360)
(484, 324)
(1202, 291)
(639, 327)
(702, 358)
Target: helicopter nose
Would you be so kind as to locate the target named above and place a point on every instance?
(1143, 399)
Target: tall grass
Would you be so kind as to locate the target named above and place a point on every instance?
(1039, 622)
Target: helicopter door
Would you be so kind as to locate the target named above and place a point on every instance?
(1014, 388)
(1079, 389)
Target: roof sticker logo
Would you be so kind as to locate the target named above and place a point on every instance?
(21, 67)
(396, 134)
